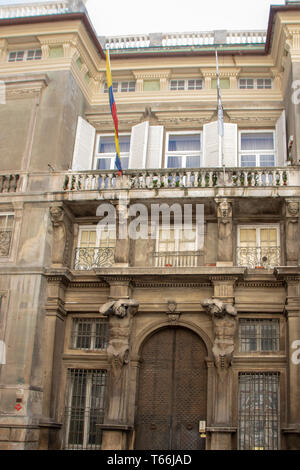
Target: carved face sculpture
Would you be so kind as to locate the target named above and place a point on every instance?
(56, 213)
(224, 209)
(293, 208)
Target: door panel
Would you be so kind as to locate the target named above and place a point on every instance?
(172, 391)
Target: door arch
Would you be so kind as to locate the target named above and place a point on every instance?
(172, 391)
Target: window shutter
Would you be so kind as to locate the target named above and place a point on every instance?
(2, 353)
(138, 146)
(155, 146)
(281, 143)
(211, 145)
(84, 146)
(230, 145)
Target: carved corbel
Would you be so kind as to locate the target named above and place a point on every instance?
(62, 236)
(224, 213)
(173, 315)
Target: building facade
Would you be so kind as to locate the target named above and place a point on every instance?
(173, 339)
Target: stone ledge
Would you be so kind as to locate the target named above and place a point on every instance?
(221, 429)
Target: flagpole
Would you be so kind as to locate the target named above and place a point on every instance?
(220, 118)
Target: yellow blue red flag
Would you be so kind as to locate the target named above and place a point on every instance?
(113, 109)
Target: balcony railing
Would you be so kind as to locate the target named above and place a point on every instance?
(194, 38)
(5, 240)
(9, 183)
(37, 8)
(255, 257)
(181, 178)
(180, 259)
(91, 258)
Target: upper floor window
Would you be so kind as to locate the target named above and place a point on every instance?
(186, 84)
(89, 333)
(6, 228)
(259, 335)
(95, 249)
(183, 150)
(121, 87)
(257, 148)
(177, 246)
(106, 151)
(258, 246)
(19, 56)
(259, 83)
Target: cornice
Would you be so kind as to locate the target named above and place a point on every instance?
(260, 284)
(151, 74)
(18, 86)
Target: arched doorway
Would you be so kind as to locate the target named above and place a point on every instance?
(172, 391)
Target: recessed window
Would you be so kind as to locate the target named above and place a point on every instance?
(86, 391)
(183, 150)
(258, 335)
(121, 87)
(106, 152)
(257, 149)
(259, 83)
(19, 56)
(177, 247)
(258, 246)
(258, 411)
(6, 230)
(224, 83)
(96, 248)
(89, 333)
(187, 84)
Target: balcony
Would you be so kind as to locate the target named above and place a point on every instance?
(259, 257)
(182, 178)
(47, 7)
(177, 259)
(91, 258)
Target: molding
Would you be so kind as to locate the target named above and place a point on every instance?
(258, 284)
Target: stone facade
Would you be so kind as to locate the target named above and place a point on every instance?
(63, 329)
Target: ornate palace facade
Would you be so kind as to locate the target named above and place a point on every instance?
(158, 342)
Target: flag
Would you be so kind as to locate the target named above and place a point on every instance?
(113, 109)
(220, 106)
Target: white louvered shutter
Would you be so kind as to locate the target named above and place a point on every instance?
(281, 144)
(230, 144)
(211, 145)
(84, 146)
(155, 147)
(138, 146)
(2, 353)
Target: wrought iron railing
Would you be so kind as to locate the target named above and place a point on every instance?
(267, 257)
(91, 258)
(5, 240)
(180, 259)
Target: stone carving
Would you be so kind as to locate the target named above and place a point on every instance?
(224, 230)
(293, 208)
(62, 236)
(224, 322)
(120, 314)
(5, 239)
(224, 209)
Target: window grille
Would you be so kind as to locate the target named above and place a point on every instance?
(89, 333)
(258, 335)
(258, 411)
(6, 228)
(84, 411)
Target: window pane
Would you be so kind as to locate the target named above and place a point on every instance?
(246, 83)
(107, 144)
(268, 237)
(189, 142)
(104, 164)
(193, 162)
(257, 141)
(267, 160)
(174, 162)
(194, 84)
(248, 160)
(248, 235)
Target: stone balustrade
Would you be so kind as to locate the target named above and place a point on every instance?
(9, 183)
(40, 8)
(181, 178)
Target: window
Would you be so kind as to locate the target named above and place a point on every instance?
(96, 248)
(259, 83)
(258, 411)
(18, 56)
(89, 333)
(177, 247)
(224, 83)
(258, 246)
(258, 335)
(183, 150)
(106, 152)
(85, 408)
(191, 84)
(6, 228)
(257, 149)
(121, 87)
